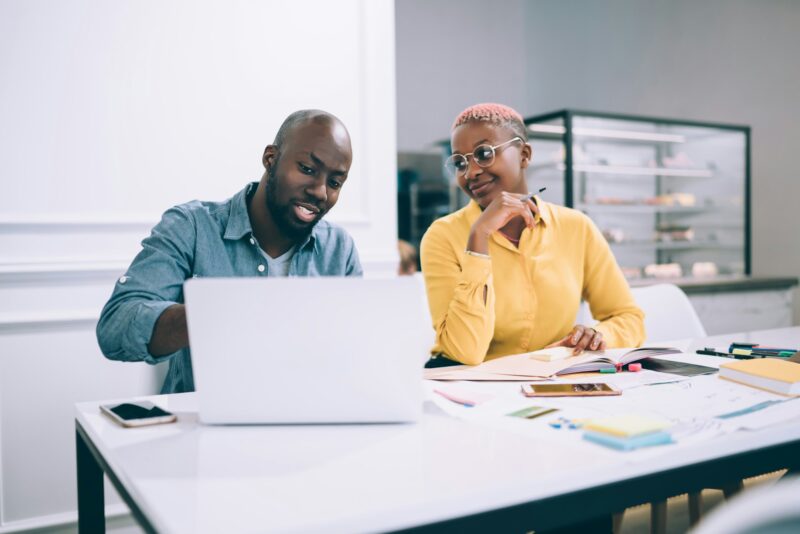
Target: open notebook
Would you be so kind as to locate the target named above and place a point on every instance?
(530, 365)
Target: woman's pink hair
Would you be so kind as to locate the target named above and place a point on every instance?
(496, 114)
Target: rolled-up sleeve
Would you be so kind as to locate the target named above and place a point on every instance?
(460, 296)
(152, 283)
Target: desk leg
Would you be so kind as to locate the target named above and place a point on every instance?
(658, 517)
(91, 501)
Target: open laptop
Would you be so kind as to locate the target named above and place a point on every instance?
(308, 350)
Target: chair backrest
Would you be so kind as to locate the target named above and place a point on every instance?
(668, 313)
(767, 509)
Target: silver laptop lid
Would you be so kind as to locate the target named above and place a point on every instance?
(308, 350)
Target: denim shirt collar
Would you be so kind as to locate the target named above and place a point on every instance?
(238, 224)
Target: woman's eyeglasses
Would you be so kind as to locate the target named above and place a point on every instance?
(483, 155)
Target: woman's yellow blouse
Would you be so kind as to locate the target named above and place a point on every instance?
(520, 300)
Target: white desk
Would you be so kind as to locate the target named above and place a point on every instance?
(441, 473)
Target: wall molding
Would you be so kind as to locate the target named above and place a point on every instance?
(73, 223)
(83, 269)
(44, 223)
(48, 272)
(37, 321)
(383, 264)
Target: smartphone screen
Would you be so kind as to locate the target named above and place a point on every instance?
(570, 388)
(128, 411)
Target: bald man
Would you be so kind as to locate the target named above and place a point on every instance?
(271, 228)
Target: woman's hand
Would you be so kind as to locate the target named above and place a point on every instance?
(582, 338)
(502, 209)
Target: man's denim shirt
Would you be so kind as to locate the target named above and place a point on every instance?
(202, 239)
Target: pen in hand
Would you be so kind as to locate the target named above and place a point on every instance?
(529, 196)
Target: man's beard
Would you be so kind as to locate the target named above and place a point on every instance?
(283, 215)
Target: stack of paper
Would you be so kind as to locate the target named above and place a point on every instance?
(627, 432)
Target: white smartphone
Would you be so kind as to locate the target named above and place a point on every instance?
(139, 413)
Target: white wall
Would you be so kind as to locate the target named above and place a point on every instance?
(113, 111)
(452, 54)
(732, 61)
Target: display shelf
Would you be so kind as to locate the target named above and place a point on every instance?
(639, 177)
(674, 245)
(650, 209)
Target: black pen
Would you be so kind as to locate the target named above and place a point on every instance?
(529, 196)
(711, 352)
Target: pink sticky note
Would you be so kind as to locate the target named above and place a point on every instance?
(464, 397)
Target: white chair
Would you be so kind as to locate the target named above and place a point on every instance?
(770, 509)
(668, 313)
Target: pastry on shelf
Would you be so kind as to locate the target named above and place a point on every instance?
(679, 161)
(704, 269)
(631, 273)
(672, 199)
(616, 201)
(663, 270)
(674, 232)
(614, 235)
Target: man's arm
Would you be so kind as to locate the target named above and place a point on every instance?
(170, 333)
(131, 326)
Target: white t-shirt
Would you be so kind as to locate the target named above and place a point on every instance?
(279, 266)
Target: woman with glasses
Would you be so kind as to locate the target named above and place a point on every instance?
(506, 274)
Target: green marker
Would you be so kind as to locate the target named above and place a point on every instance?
(608, 370)
(756, 353)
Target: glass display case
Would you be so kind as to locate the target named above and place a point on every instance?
(670, 196)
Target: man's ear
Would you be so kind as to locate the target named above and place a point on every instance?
(527, 155)
(270, 156)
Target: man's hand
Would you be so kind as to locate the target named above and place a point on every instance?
(582, 338)
(502, 209)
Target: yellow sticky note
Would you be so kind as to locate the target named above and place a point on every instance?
(553, 354)
(627, 425)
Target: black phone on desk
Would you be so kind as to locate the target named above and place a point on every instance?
(137, 413)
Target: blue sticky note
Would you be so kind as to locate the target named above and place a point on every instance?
(628, 444)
